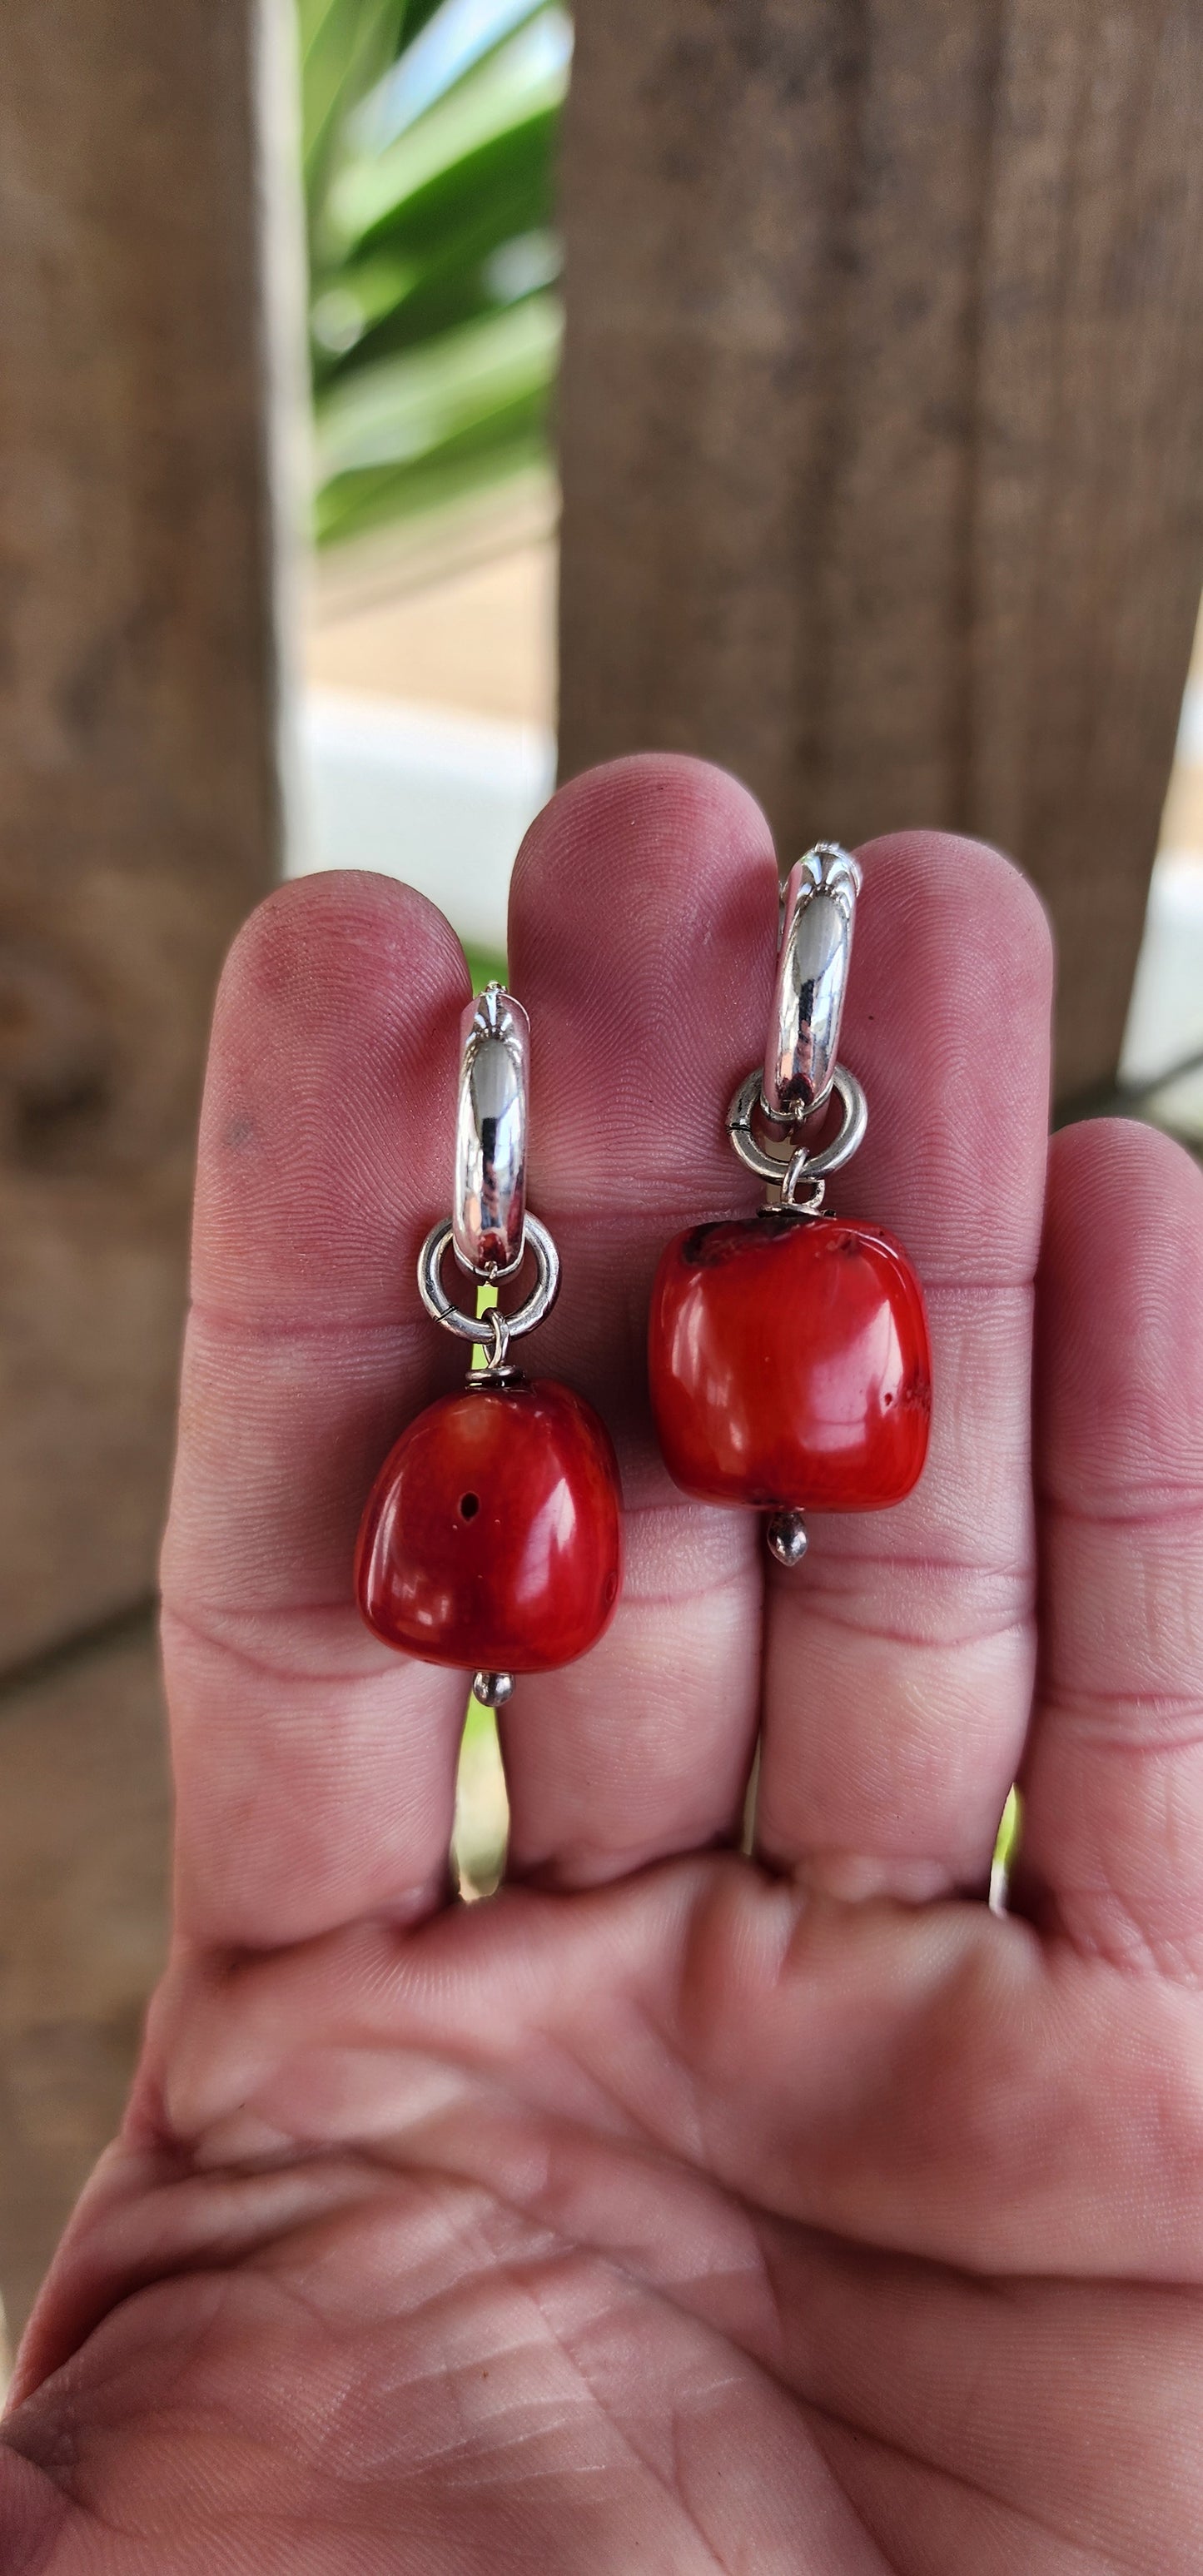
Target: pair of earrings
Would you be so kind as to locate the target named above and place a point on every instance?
(788, 1352)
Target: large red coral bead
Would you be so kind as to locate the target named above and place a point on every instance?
(790, 1365)
(492, 1536)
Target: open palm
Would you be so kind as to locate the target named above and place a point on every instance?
(670, 2211)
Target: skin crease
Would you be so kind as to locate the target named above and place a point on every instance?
(672, 2211)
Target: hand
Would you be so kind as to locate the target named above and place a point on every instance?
(671, 2211)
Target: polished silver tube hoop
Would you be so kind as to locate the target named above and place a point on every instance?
(488, 1201)
(812, 978)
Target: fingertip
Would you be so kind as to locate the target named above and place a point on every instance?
(643, 923)
(975, 882)
(329, 1091)
(653, 822)
(1124, 1216)
(642, 785)
(289, 950)
(949, 1025)
(1105, 1163)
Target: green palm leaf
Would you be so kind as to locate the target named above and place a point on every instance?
(429, 158)
(501, 110)
(419, 428)
(344, 45)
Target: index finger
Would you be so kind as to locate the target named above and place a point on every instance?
(315, 1770)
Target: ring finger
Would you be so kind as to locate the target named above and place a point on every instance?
(900, 1656)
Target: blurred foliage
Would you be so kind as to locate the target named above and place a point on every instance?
(1007, 1842)
(485, 966)
(481, 1808)
(429, 138)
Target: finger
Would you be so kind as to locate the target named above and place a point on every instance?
(314, 1769)
(900, 1655)
(1112, 1850)
(642, 926)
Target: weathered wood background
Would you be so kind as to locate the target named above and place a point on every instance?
(137, 823)
(882, 425)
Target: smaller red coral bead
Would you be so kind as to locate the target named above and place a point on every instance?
(790, 1365)
(492, 1536)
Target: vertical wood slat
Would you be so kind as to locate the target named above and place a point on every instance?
(882, 425)
(138, 800)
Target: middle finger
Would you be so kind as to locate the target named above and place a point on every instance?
(643, 923)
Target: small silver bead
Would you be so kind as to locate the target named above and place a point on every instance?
(786, 1535)
(492, 1689)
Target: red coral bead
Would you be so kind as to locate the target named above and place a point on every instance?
(790, 1364)
(492, 1536)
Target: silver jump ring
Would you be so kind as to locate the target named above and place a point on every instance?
(475, 1328)
(795, 1163)
(798, 1176)
(499, 1335)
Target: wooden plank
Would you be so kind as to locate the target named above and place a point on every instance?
(83, 1896)
(138, 804)
(881, 425)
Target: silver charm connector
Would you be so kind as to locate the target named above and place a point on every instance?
(812, 978)
(800, 1069)
(488, 1201)
(490, 1225)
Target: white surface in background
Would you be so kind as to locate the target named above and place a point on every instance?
(1165, 1021)
(1190, 729)
(441, 800)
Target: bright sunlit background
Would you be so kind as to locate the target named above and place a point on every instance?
(429, 141)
